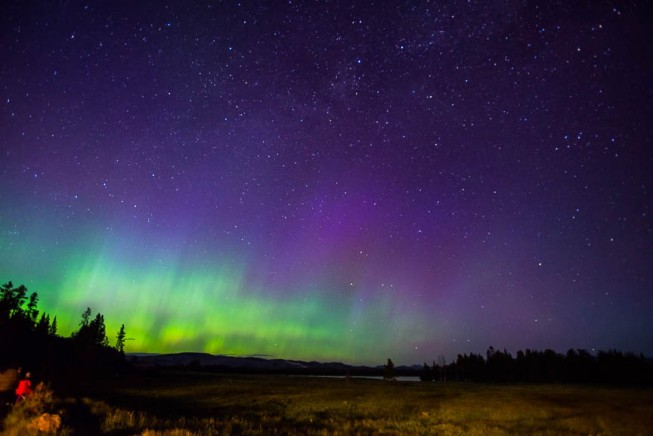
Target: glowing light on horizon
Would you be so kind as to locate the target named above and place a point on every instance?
(172, 309)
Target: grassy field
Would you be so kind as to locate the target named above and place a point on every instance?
(199, 403)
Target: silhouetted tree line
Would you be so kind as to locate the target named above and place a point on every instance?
(29, 339)
(548, 366)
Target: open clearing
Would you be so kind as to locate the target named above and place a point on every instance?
(205, 403)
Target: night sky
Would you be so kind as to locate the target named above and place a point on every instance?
(332, 180)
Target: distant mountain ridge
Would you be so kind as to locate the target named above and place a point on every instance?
(207, 361)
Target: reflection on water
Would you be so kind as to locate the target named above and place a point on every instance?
(370, 377)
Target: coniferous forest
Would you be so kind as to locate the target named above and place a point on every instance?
(548, 366)
(29, 339)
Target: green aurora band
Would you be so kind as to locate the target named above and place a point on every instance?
(217, 310)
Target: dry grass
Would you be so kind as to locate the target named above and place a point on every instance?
(186, 404)
(37, 414)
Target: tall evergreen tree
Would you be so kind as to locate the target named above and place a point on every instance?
(98, 331)
(86, 318)
(120, 340)
(43, 326)
(32, 311)
(92, 332)
(52, 331)
(11, 300)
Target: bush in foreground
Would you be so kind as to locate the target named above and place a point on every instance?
(35, 414)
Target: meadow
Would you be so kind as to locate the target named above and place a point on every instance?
(185, 403)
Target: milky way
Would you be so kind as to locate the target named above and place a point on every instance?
(332, 181)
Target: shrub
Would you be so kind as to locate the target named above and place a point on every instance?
(34, 414)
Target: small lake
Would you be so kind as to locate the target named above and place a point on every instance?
(370, 377)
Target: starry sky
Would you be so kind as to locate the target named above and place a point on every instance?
(332, 180)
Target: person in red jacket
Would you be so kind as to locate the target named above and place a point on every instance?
(24, 387)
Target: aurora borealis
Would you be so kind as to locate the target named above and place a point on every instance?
(326, 180)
